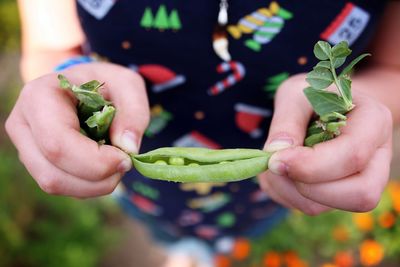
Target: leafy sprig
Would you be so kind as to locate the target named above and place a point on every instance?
(94, 112)
(331, 107)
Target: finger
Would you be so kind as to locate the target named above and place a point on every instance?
(358, 193)
(265, 184)
(368, 126)
(55, 129)
(286, 192)
(128, 94)
(292, 114)
(51, 179)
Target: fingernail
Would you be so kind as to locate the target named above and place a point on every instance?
(276, 166)
(279, 144)
(125, 166)
(128, 142)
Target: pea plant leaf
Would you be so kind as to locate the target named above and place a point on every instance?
(324, 102)
(320, 78)
(94, 112)
(351, 65)
(330, 106)
(341, 50)
(322, 50)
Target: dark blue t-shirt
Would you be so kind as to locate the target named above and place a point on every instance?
(197, 99)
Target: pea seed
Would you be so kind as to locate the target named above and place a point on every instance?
(177, 161)
(194, 164)
(160, 162)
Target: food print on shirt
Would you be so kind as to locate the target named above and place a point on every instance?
(264, 24)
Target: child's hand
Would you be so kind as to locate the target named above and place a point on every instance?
(45, 129)
(348, 172)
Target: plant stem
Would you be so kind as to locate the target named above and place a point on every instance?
(347, 102)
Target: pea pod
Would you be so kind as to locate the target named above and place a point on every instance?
(192, 164)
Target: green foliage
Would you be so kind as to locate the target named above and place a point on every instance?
(326, 102)
(41, 230)
(9, 26)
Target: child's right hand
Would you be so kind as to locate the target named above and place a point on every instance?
(45, 129)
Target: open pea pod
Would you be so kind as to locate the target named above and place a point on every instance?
(192, 164)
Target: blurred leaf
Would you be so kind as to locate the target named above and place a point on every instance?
(320, 78)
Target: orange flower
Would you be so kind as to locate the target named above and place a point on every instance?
(241, 249)
(291, 259)
(387, 219)
(344, 259)
(371, 253)
(340, 233)
(272, 259)
(394, 192)
(222, 261)
(363, 221)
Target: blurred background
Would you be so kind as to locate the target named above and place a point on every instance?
(38, 230)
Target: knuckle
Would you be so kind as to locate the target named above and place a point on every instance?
(111, 185)
(359, 158)
(52, 149)
(49, 184)
(312, 210)
(368, 199)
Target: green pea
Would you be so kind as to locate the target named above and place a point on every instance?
(201, 164)
(178, 161)
(160, 162)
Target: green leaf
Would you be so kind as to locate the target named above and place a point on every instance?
(64, 83)
(345, 84)
(351, 65)
(324, 102)
(338, 62)
(100, 122)
(322, 50)
(91, 86)
(89, 98)
(320, 78)
(341, 50)
(323, 64)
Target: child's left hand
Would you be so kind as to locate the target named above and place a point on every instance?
(348, 172)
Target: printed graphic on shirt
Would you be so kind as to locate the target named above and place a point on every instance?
(274, 82)
(195, 139)
(189, 218)
(161, 20)
(347, 26)
(207, 232)
(161, 77)
(209, 203)
(146, 205)
(145, 190)
(97, 8)
(248, 118)
(226, 219)
(238, 73)
(264, 24)
(159, 120)
(200, 188)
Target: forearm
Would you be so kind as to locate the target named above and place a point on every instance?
(35, 63)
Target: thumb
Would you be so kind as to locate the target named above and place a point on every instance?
(290, 120)
(132, 112)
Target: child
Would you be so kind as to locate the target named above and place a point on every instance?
(200, 96)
